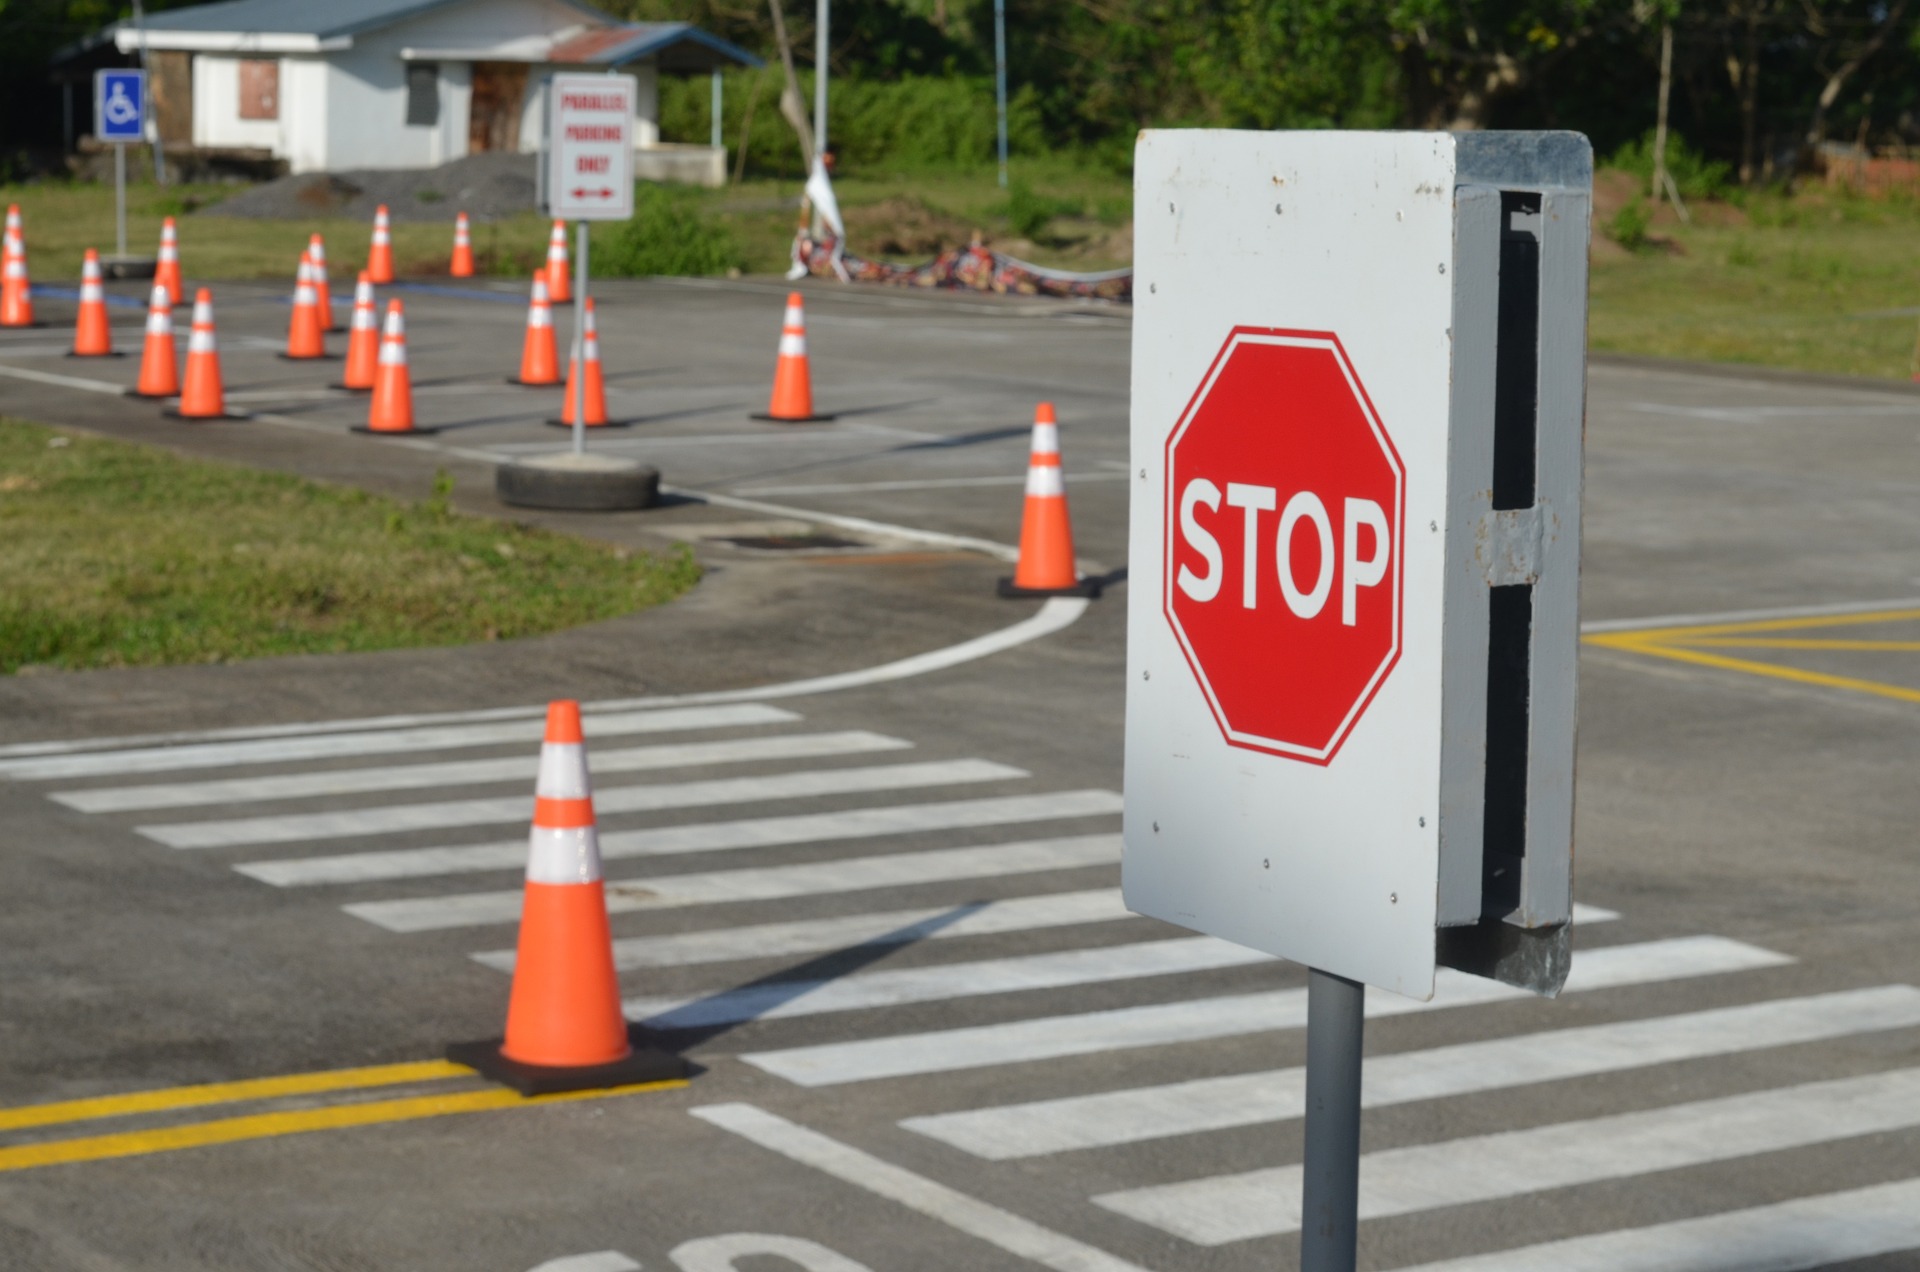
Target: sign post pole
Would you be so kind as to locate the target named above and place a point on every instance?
(120, 200)
(120, 120)
(579, 390)
(1330, 1180)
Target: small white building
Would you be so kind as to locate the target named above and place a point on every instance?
(340, 84)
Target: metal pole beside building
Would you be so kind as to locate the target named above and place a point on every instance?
(1330, 1179)
(1000, 80)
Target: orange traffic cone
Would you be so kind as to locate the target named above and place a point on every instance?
(380, 255)
(304, 341)
(167, 272)
(322, 295)
(792, 381)
(159, 367)
(92, 337)
(462, 248)
(559, 285)
(16, 291)
(565, 1031)
(539, 356)
(595, 387)
(363, 338)
(201, 395)
(1046, 564)
(391, 410)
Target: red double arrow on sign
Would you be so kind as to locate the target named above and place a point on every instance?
(593, 194)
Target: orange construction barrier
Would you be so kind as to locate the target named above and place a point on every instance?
(391, 410)
(595, 386)
(565, 1030)
(166, 273)
(201, 395)
(539, 356)
(559, 281)
(380, 255)
(92, 337)
(16, 291)
(304, 341)
(159, 365)
(1046, 564)
(792, 382)
(363, 338)
(322, 294)
(462, 248)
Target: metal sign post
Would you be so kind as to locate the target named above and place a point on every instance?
(120, 119)
(1358, 397)
(578, 390)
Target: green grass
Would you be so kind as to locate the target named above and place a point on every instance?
(121, 555)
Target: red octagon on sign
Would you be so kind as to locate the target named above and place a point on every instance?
(1285, 499)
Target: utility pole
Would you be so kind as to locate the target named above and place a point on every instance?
(822, 23)
(999, 79)
(159, 155)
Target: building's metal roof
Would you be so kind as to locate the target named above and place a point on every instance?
(326, 19)
(678, 45)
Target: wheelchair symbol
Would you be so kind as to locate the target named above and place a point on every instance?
(120, 109)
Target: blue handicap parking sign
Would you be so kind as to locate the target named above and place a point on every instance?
(120, 105)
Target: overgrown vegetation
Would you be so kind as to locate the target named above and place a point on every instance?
(669, 234)
(121, 555)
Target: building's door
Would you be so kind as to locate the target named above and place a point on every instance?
(499, 90)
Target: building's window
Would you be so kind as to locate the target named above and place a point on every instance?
(423, 94)
(259, 88)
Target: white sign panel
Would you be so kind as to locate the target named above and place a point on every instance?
(1358, 378)
(590, 147)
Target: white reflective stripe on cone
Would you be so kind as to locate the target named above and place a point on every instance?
(796, 317)
(1045, 480)
(201, 341)
(571, 855)
(393, 352)
(1046, 439)
(793, 344)
(563, 772)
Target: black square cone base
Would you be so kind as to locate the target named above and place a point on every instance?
(111, 353)
(173, 413)
(1089, 588)
(415, 431)
(151, 397)
(644, 1064)
(318, 357)
(350, 388)
(533, 384)
(24, 326)
(568, 424)
(792, 419)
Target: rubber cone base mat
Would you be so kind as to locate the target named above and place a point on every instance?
(568, 424)
(415, 431)
(792, 419)
(151, 397)
(173, 413)
(645, 1064)
(1089, 588)
(314, 357)
(534, 384)
(117, 353)
(349, 388)
(23, 326)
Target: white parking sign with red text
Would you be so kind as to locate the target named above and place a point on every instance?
(590, 147)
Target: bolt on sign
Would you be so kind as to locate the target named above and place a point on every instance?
(587, 173)
(1359, 376)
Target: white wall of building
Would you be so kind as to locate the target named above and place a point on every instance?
(305, 84)
(216, 107)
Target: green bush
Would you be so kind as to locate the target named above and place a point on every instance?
(1029, 213)
(667, 235)
(1696, 176)
(1628, 226)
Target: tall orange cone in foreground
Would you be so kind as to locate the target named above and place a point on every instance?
(565, 1030)
(304, 340)
(462, 266)
(391, 410)
(202, 396)
(539, 356)
(559, 285)
(792, 382)
(322, 295)
(380, 255)
(166, 272)
(16, 292)
(1046, 564)
(363, 338)
(159, 366)
(92, 337)
(595, 388)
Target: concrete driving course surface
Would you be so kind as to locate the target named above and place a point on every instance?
(881, 915)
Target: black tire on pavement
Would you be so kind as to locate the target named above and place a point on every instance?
(526, 485)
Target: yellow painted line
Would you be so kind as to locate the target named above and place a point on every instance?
(1787, 642)
(227, 1093)
(1763, 625)
(1645, 643)
(268, 1125)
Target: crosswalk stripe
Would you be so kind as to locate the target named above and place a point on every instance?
(516, 768)
(320, 746)
(895, 927)
(759, 832)
(1250, 1099)
(1788, 1236)
(1510, 1164)
(449, 814)
(867, 990)
(1160, 1024)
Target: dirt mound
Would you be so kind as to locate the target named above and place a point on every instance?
(904, 226)
(487, 187)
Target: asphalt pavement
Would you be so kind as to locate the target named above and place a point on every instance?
(862, 834)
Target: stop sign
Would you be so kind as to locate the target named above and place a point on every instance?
(1285, 499)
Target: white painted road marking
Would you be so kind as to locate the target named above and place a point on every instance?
(759, 832)
(449, 814)
(517, 768)
(1001, 1228)
(863, 991)
(1250, 1099)
(1160, 1024)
